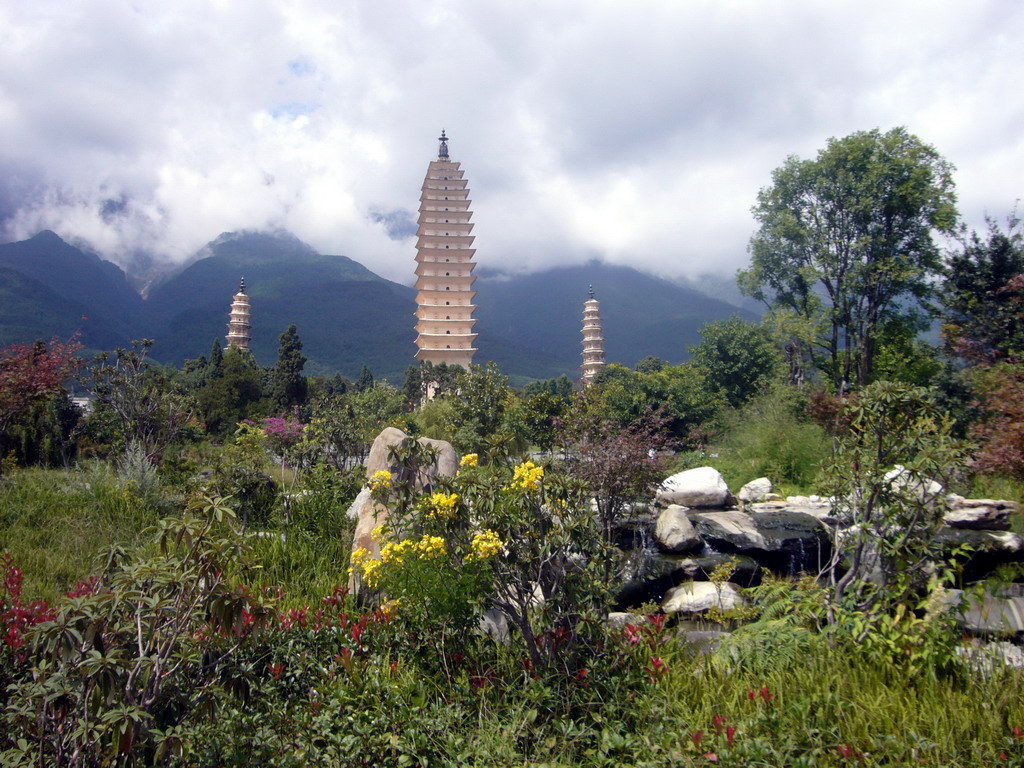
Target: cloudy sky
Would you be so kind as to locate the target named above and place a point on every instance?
(635, 131)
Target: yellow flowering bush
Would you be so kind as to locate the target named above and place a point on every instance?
(394, 553)
(368, 566)
(485, 544)
(527, 476)
(442, 505)
(469, 460)
(380, 480)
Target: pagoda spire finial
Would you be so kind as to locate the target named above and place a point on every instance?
(241, 285)
(442, 150)
(591, 291)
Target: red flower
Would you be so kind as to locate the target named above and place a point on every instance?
(718, 721)
(658, 620)
(581, 676)
(276, 670)
(696, 737)
(730, 733)
(632, 634)
(657, 669)
(765, 695)
(1017, 732)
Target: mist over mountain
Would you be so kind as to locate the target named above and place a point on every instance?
(346, 315)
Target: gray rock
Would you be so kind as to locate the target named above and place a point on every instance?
(985, 657)
(700, 596)
(755, 490)
(731, 529)
(360, 501)
(980, 514)
(912, 484)
(675, 533)
(704, 641)
(987, 614)
(701, 488)
(981, 541)
(370, 513)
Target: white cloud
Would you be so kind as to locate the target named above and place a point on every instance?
(638, 132)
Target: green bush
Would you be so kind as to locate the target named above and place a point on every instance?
(771, 437)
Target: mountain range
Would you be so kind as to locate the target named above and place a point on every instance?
(346, 315)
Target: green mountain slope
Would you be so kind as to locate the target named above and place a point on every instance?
(641, 314)
(96, 288)
(29, 310)
(346, 315)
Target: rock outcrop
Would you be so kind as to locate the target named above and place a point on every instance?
(675, 533)
(369, 513)
(701, 488)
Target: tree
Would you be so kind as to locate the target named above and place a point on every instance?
(893, 462)
(31, 373)
(288, 387)
(216, 360)
(983, 295)
(738, 357)
(234, 395)
(147, 408)
(365, 380)
(846, 238)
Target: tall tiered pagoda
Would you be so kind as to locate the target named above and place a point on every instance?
(593, 339)
(239, 322)
(444, 266)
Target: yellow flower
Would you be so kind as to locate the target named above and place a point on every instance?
(469, 460)
(443, 505)
(377, 534)
(360, 555)
(432, 546)
(380, 480)
(485, 544)
(527, 476)
(371, 573)
(390, 608)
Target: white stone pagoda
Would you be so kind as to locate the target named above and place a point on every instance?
(239, 322)
(593, 339)
(444, 266)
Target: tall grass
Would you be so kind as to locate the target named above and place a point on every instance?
(56, 522)
(771, 437)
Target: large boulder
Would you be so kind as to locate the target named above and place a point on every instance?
(675, 533)
(728, 530)
(909, 483)
(369, 513)
(701, 488)
(797, 542)
(755, 490)
(988, 614)
(980, 514)
(700, 596)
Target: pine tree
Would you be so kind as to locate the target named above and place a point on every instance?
(288, 387)
(215, 367)
(365, 380)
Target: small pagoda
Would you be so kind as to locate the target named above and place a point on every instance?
(593, 339)
(444, 265)
(239, 323)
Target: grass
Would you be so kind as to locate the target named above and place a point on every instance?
(817, 702)
(55, 523)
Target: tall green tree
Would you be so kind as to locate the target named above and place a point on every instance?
(983, 295)
(740, 358)
(234, 395)
(288, 387)
(847, 239)
(365, 380)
